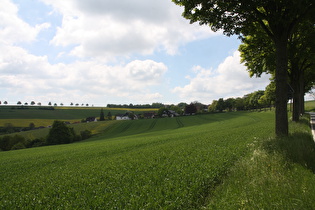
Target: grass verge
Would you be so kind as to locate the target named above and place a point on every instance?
(278, 174)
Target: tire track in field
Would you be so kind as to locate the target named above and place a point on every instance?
(152, 125)
(126, 127)
(179, 122)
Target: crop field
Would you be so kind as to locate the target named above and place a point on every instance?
(41, 117)
(171, 163)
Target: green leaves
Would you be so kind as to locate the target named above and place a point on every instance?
(60, 133)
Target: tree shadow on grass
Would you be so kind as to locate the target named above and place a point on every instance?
(305, 121)
(298, 147)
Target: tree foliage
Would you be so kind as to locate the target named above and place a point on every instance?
(60, 133)
(255, 100)
(12, 142)
(190, 109)
(109, 115)
(258, 55)
(277, 19)
(102, 116)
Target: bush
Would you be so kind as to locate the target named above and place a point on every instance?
(85, 134)
(77, 138)
(8, 142)
(4, 143)
(60, 133)
(37, 142)
(19, 145)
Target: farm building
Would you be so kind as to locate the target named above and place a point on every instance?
(170, 113)
(126, 116)
(91, 119)
(149, 115)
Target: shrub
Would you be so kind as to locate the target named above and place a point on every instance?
(31, 126)
(9, 128)
(37, 142)
(60, 133)
(85, 134)
(19, 145)
(4, 142)
(77, 138)
(8, 142)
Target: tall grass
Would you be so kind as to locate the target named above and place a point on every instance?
(278, 174)
(163, 169)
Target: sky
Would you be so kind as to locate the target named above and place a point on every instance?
(115, 52)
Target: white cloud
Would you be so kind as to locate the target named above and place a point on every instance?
(23, 74)
(13, 29)
(230, 79)
(95, 32)
(104, 29)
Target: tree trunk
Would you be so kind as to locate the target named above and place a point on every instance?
(282, 127)
(302, 90)
(295, 80)
(296, 103)
(302, 102)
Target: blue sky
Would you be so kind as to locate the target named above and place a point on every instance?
(121, 52)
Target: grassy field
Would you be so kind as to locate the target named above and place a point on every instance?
(177, 164)
(42, 117)
(215, 161)
(310, 106)
(277, 174)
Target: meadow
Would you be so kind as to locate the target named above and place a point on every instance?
(176, 164)
(214, 161)
(45, 117)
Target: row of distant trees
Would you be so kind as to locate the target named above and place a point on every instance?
(256, 100)
(143, 106)
(39, 103)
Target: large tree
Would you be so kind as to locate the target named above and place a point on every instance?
(301, 65)
(102, 115)
(257, 53)
(277, 18)
(60, 133)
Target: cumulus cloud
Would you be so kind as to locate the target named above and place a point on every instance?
(230, 79)
(104, 29)
(13, 29)
(107, 42)
(32, 76)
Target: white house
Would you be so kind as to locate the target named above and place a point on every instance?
(122, 117)
(126, 116)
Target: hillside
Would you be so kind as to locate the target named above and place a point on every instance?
(44, 116)
(173, 165)
(215, 161)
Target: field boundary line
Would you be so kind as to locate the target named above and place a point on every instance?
(179, 123)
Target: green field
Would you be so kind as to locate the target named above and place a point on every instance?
(214, 161)
(310, 106)
(23, 117)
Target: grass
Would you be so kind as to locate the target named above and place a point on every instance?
(218, 161)
(23, 117)
(278, 173)
(310, 106)
(94, 127)
(114, 128)
(176, 165)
